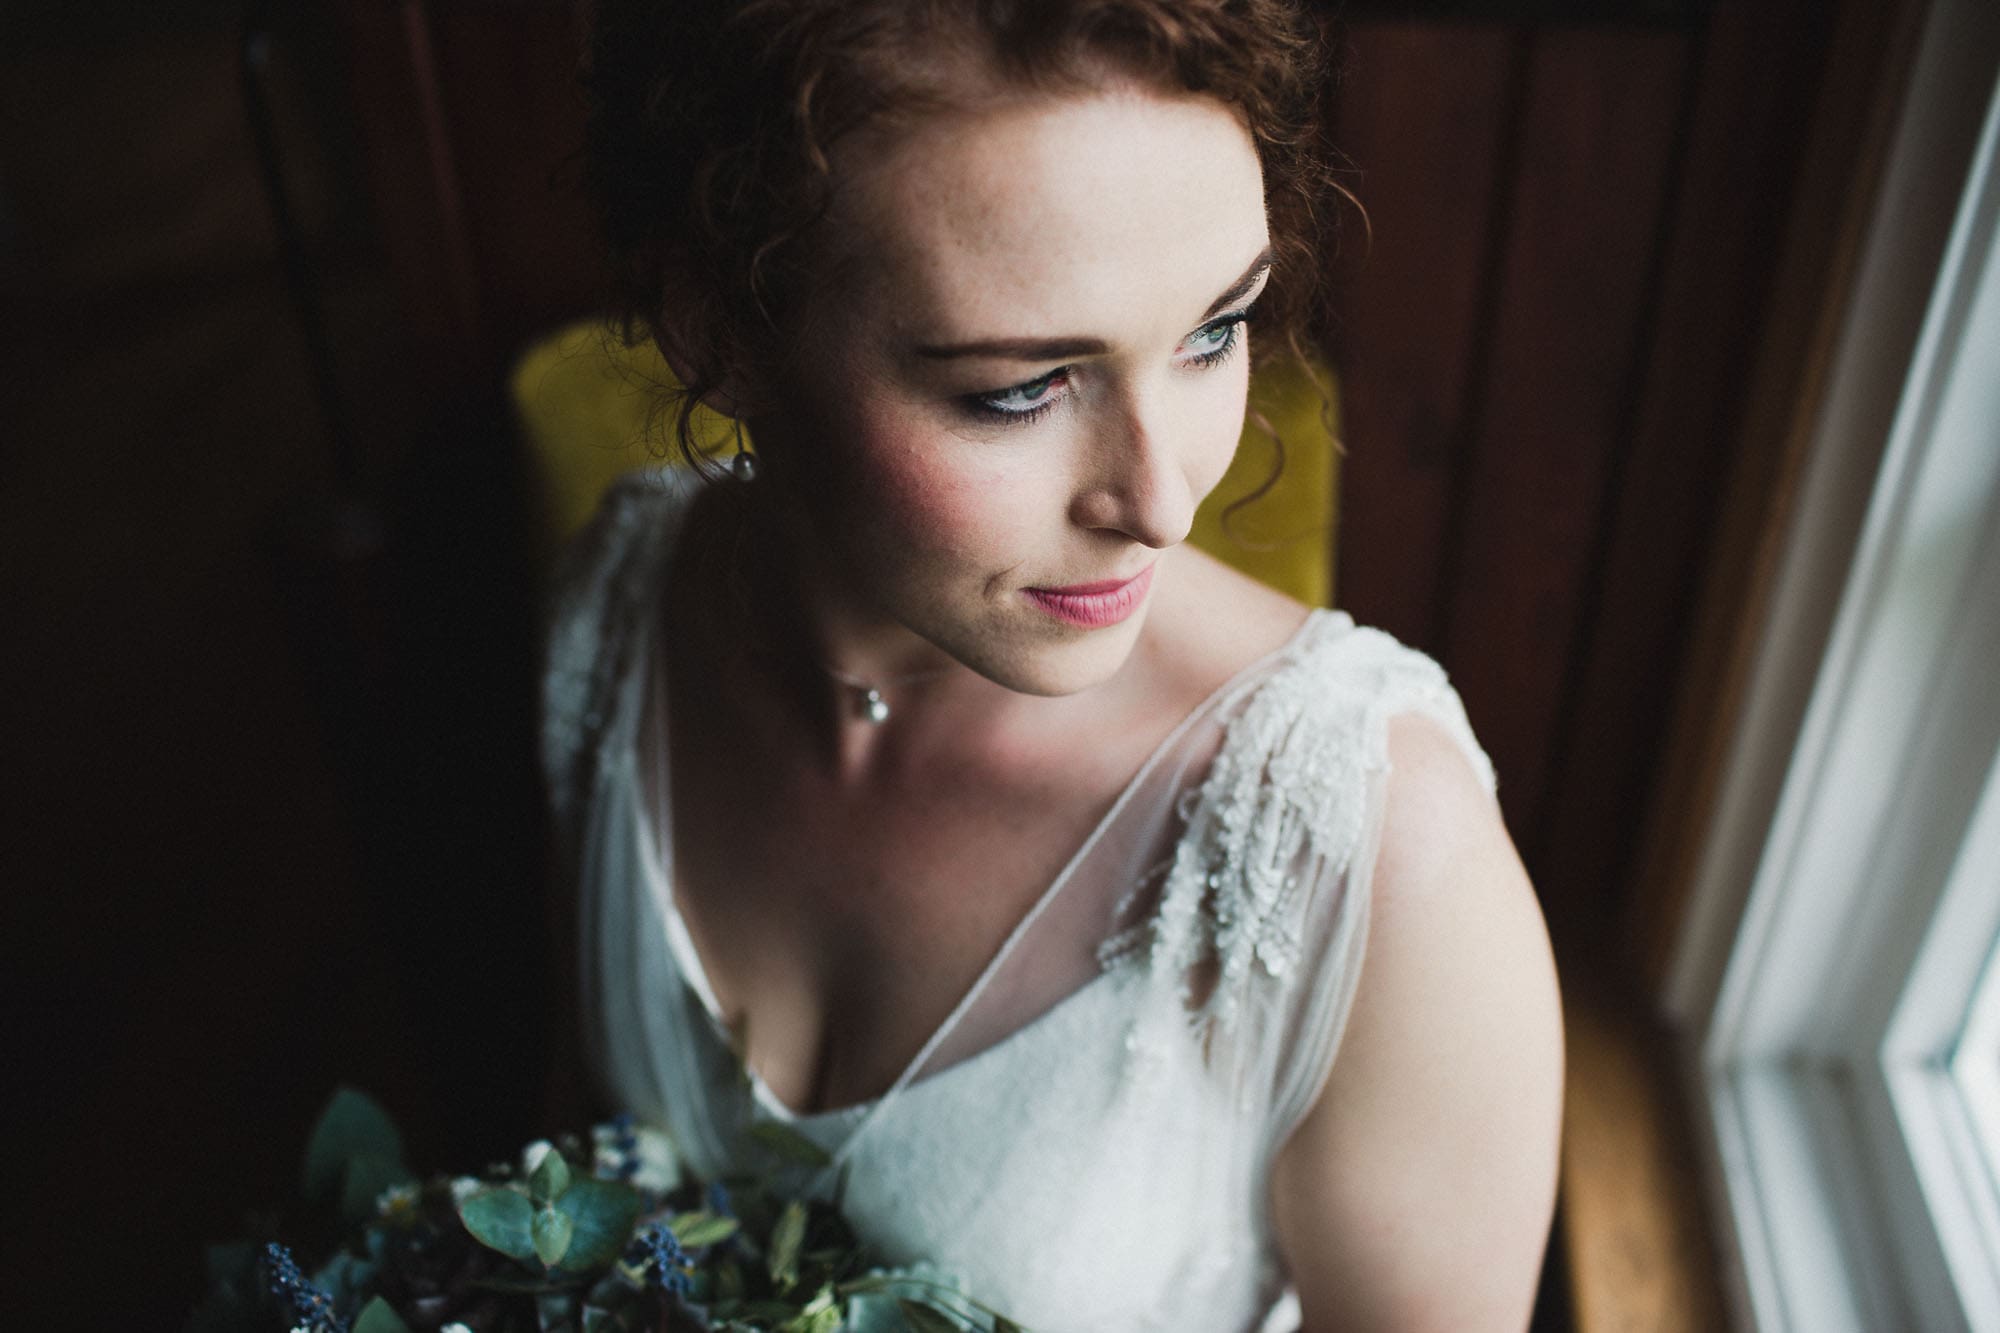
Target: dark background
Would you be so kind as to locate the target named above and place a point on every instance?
(266, 686)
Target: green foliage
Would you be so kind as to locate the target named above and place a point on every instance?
(378, 1317)
(695, 1230)
(820, 1315)
(550, 1178)
(786, 1239)
(546, 1250)
(501, 1219)
(354, 1153)
(603, 1213)
(551, 1232)
(362, 1183)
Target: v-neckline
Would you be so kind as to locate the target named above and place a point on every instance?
(654, 819)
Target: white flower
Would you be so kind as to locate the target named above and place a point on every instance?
(659, 1163)
(454, 1328)
(396, 1198)
(532, 1155)
(464, 1187)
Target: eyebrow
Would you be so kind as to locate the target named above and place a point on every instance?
(1061, 349)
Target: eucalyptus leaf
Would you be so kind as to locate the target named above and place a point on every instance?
(551, 1232)
(377, 1317)
(602, 1213)
(352, 1124)
(550, 1178)
(789, 1144)
(695, 1230)
(362, 1181)
(501, 1219)
(786, 1239)
(345, 1277)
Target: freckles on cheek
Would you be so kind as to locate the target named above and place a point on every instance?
(941, 524)
(938, 504)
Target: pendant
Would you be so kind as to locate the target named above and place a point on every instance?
(743, 467)
(873, 706)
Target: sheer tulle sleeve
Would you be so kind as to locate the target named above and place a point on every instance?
(598, 604)
(1254, 934)
(1370, 681)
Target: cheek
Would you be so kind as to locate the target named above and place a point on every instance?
(950, 501)
(1216, 417)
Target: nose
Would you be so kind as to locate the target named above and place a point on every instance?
(1136, 480)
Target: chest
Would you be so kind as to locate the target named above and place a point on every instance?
(839, 925)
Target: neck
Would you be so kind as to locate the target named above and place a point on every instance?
(794, 620)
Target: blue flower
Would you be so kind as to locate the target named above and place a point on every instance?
(718, 1199)
(311, 1307)
(658, 1252)
(617, 1155)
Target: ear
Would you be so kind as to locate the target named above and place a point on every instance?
(728, 393)
(701, 352)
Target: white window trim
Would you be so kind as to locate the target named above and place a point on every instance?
(1847, 892)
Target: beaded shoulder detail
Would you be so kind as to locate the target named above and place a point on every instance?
(604, 586)
(1282, 814)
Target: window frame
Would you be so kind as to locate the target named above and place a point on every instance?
(1822, 1014)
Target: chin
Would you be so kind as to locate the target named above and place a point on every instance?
(1053, 665)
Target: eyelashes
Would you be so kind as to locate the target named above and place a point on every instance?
(1032, 399)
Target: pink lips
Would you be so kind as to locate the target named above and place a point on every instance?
(1094, 605)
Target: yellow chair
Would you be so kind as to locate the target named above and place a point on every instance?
(590, 410)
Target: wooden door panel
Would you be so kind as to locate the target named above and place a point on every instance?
(1747, 129)
(1573, 284)
(1425, 114)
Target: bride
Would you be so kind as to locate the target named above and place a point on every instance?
(1146, 947)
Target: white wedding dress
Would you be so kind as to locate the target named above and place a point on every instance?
(1086, 1140)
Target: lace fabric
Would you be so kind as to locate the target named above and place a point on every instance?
(1086, 1139)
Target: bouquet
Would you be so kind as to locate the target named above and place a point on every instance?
(604, 1234)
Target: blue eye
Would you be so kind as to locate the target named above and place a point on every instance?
(1215, 341)
(1209, 345)
(1022, 402)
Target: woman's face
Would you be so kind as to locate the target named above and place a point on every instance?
(1030, 370)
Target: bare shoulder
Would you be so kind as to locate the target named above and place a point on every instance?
(1417, 1192)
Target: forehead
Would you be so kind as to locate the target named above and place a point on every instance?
(1029, 214)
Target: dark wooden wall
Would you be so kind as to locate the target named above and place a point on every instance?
(1543, 353)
